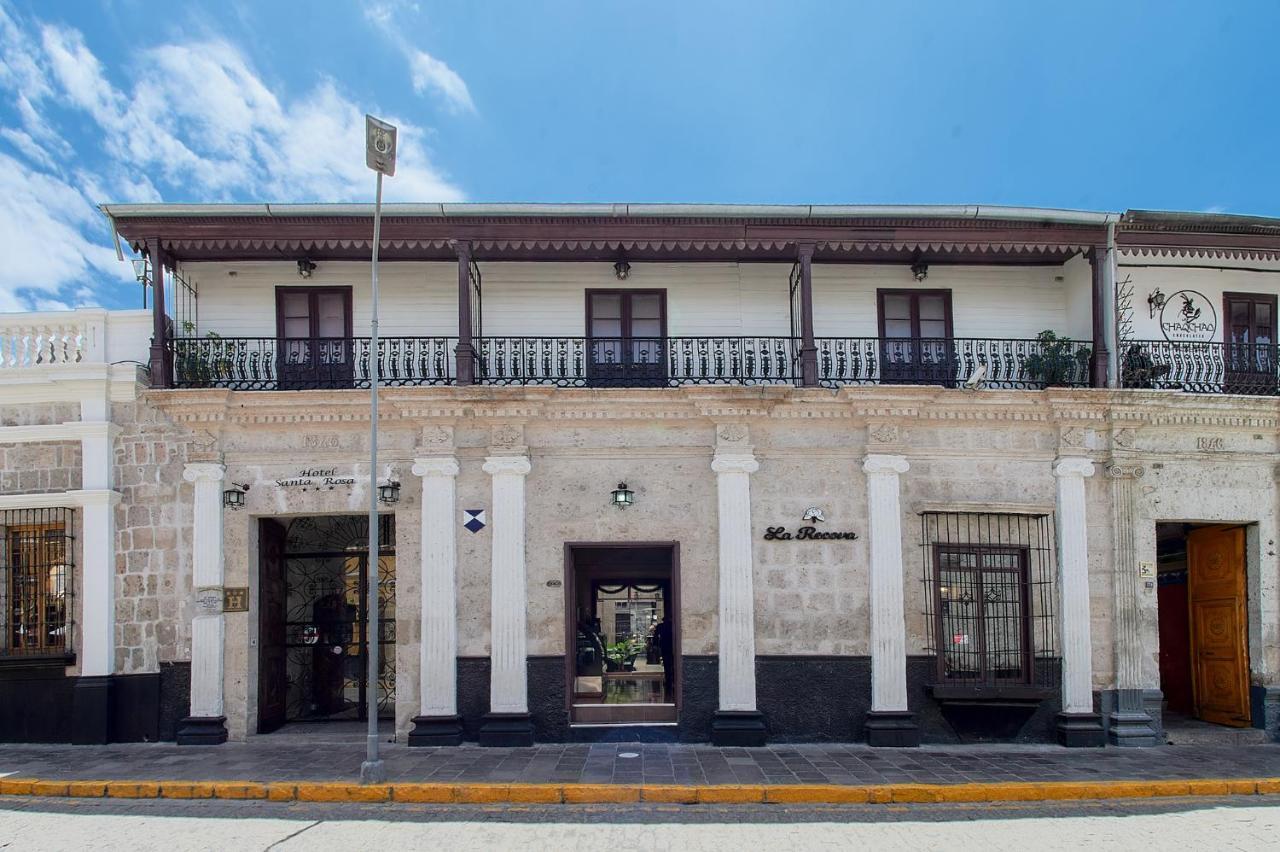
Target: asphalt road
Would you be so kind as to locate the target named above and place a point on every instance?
(171, 826)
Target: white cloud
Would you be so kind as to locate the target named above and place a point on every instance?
(428, 73)
(195, 122)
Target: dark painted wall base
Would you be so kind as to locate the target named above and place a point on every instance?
(40, 703)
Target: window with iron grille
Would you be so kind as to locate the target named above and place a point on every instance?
(35, 589)
(989, 598)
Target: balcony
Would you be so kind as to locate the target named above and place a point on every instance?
(265, 363)
(1240, 368)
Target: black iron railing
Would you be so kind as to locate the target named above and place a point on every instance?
(636, 361)
(1245, 368)
(953, 362)
(268, 363)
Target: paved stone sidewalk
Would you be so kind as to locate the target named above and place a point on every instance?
(293, 759)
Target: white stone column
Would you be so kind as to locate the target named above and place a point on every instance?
(737, 722)
(1077, 725)
(206, 723)
(438, 722)
(508, 719)
(890, 722)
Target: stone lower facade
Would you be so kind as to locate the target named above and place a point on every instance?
(812, 652)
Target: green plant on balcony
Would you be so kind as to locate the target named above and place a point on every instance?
(1139, 370)
(1057, 361)
(202, 361)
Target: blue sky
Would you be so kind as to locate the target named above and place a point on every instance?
(1096, 105)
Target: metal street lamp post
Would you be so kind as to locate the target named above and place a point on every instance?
(380, 155)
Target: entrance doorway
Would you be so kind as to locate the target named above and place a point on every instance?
(622, 633)
(313, 613)
(1203, 623)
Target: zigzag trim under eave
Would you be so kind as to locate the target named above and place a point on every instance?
(1199, 252)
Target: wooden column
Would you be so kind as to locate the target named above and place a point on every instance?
(465, 353)
(808, 349)
(1101, 357)
(160, 362)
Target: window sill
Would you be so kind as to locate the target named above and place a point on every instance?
(1013, 693)
(12, 662)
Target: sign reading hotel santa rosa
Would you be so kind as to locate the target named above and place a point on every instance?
(316, 478)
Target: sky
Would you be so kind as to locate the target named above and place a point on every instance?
(1090, 104)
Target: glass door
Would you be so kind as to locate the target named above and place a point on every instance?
(915, 337)
(1250, 357)
(314, 330)
(626, 331)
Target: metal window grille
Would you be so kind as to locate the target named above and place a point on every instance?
(36, 559)
(183, 303)
(989, 603)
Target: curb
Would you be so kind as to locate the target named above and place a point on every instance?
(753, 794)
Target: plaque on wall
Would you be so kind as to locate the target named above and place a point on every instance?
(235, 599)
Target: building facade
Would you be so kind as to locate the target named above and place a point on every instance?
(894, 475)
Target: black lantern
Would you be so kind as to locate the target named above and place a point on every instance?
(233, 498)
(305, 268)
(919, 269)
(623, 496)
(622, 270)
(389, 492)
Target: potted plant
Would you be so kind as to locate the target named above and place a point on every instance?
(1057, 361)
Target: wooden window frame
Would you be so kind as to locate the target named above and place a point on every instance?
(1228, 297)
(1023, 571)
(915, 293)
(347, 307)
(661, 293)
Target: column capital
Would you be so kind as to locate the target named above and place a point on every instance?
(1073, 466)
(514, 465)
(882, 463)
(204, 472)
(1121, 470)
(734, 463)
(435, 466)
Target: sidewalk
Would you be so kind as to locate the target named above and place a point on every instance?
(293, 768)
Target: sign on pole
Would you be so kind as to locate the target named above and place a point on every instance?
(380, 146)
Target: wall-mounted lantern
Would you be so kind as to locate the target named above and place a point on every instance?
(623, 496)
(622, 270)
(1155, 303)
(389, 492)
(305, 268)
(233, 498)
(142, 273)
(919, 269)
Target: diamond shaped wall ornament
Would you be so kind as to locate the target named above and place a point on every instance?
(473, 519)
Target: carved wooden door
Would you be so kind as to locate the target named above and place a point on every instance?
(1218, 614)
(273, 674)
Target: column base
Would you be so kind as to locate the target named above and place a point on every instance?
(436, 731)
(202, 730)
(509, 730)
(741, 728)
(892, 729)
(1129, 725)
(1081, 730)
(91, 711)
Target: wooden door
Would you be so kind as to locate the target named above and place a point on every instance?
(313, 327)
(915, 337)
(1250, 338)
(626, 331)
(1218, 614)
(273, 674)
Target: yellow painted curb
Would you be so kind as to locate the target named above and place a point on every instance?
(815, 794)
